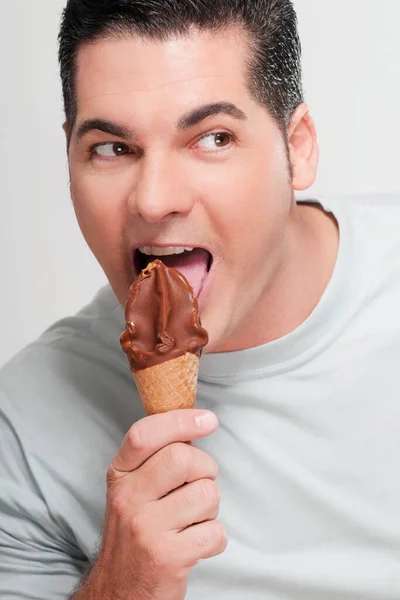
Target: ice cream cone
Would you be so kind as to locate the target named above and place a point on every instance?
(163, 339)
(170, 385)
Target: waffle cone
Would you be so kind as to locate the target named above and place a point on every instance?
(170, 385)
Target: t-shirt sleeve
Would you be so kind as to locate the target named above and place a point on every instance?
(37, 560)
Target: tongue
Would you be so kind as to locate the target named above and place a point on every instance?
(193, 265)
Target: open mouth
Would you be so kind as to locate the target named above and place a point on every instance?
(194, 263)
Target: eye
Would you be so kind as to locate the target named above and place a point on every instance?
(111, 149)
(213, 141)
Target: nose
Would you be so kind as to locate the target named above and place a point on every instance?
(160, 191)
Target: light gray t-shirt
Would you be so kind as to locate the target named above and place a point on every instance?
(308, 444)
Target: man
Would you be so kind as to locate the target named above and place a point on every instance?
(186, 128)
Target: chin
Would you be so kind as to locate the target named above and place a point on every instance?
(217, 329)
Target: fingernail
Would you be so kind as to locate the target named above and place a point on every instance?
(206, 420)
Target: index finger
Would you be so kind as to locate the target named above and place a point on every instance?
(151, 434)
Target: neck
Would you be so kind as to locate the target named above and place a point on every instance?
(306, 267)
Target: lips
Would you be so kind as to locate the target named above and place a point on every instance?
(194, 265)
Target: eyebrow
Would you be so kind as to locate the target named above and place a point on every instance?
(192, 118)
(208, 110)
(111, 127)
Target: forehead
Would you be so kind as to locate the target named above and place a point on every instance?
(135, 74)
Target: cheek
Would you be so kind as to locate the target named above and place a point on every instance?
(100, 209)
(249, 201)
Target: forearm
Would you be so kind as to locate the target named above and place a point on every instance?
(99, 584)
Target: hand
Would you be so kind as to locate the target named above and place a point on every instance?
(162, 504)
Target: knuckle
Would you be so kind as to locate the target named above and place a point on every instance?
(210, 492)
(216, 539)
(211, 540)
(112, 476)
(178, 457)
(204, 464)
(119, 505)
(135, 438)
(214, 468)
(221, 537)
(140, 527)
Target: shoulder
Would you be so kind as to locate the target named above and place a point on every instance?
(374, 221)
(371, 213)
(373, 224)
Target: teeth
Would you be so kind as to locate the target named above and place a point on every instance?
(155, 251)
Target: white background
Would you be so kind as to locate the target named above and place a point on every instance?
(352, 84)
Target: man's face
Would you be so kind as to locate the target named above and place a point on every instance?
(174, 177)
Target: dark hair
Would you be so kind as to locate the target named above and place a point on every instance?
(275, 51)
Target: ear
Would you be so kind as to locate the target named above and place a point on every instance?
(65, 127)
(303, 146)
